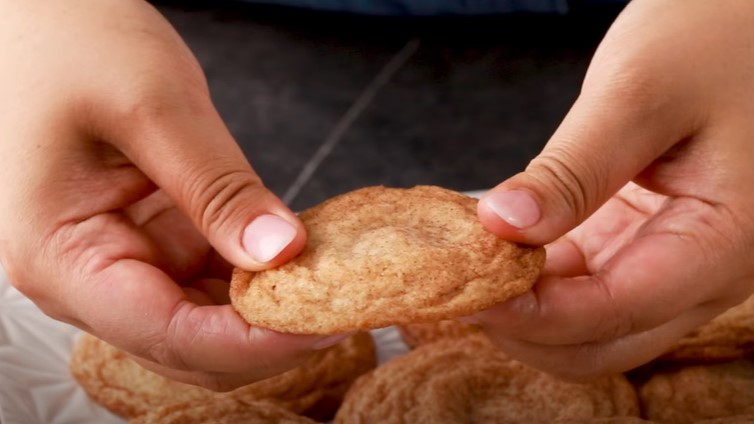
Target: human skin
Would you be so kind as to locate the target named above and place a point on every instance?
(126, 199)
(644, 195)
(124, 191)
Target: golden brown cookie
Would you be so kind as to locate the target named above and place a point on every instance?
(694, 393)
(382, 256)
(222, 411)
(729, 336)
(315, 388)
(415, 335)
(469, 381)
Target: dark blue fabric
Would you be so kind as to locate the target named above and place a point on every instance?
(428, 7)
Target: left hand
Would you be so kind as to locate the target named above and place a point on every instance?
(644, 195)
(126, 198)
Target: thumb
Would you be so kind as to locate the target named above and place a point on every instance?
(185, 148)
(588, 159)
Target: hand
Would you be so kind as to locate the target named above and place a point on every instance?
(120, 180)
(633, 266)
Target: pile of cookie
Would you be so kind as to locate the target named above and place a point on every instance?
(709, 374)
(707, 377)
(378, 257)
(314, 389)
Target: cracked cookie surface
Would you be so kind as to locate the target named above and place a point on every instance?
(315, 388)
(228, 411)
(693, 393)
(384, 256)
(470, 381)
(728, 337)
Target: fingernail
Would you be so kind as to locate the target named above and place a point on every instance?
(516, 207)
(330, 341)
(267, 236)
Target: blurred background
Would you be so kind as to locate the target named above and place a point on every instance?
(325, 102)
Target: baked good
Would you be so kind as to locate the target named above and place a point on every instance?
(729, 336)
(382, 256)
(315, 388)
(415, 335)
(698, 392)
(119, 384)
(470, 381)
(225, 411)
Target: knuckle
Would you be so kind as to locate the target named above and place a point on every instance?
(27, 286)
(212, 197)
(613, 321)
(15, 272)
(163, 352)
(166, 348)
(41, 294)
(24, 272)
(560, 171)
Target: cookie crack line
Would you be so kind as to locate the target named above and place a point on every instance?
(422, 256)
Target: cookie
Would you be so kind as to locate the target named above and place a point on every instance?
(469, 381)
(698, 392)
(415, 335)
(225, 411)
(315, 388)
(382, 256)
(729, 336)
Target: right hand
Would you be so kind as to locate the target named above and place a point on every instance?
(126, 198)
(644, 195)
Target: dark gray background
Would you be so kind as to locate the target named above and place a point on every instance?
(323, 103)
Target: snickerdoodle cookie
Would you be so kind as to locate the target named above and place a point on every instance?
(415, 335)
(469, 381)
(729, 336)
(698, 392)
(382, 256)
(315, 388)
(226, 411)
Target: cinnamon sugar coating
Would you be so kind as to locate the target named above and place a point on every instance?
(383, 256)
(315, 388)
(470, 381)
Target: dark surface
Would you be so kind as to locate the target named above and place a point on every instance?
(474, 103)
